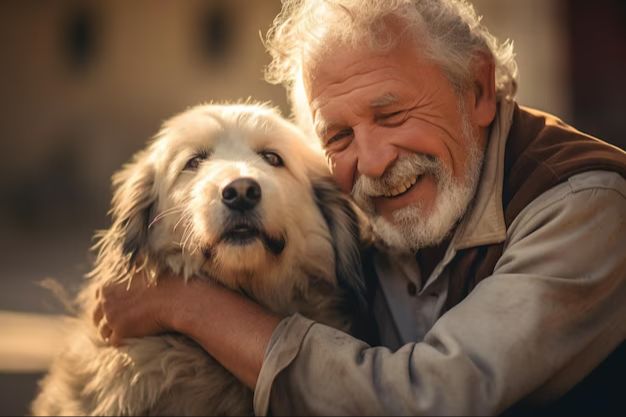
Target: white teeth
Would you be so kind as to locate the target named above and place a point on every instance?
(401, 188)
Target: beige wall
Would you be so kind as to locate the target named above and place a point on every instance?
(538, 30)
(148, 65)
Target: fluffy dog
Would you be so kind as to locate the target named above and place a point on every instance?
(230, 192)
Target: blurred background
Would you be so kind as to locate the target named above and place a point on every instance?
(84, 84)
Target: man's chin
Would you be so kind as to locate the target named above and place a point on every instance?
(393, 235)
(409, 230)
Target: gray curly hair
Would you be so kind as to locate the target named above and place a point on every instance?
(450, 30)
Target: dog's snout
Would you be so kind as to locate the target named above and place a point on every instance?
(242, 194)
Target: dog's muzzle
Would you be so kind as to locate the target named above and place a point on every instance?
(243, 225)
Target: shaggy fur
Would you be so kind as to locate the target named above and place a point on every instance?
(168, 211)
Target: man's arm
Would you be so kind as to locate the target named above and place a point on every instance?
(233, 329)
(552, 310)
(236, 331)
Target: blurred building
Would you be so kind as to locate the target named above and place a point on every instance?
(84, 84)
(571, 56)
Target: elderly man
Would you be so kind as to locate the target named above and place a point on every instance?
(501, 265)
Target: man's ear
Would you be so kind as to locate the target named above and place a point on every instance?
(481, 103)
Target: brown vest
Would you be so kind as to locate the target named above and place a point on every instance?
(541, 152)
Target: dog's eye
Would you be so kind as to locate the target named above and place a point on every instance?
(272, 158)
(194, 162)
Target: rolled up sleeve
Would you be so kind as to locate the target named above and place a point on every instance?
(553, 309)
(282, 349)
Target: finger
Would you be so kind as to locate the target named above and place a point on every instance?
(104, 330)
(115, 341)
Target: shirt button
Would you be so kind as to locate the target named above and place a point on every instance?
(411, 289)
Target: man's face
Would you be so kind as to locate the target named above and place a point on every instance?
(395, 136)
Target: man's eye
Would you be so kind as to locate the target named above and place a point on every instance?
(393, 118)
(194, 162)
(272, 158)
(339, 135)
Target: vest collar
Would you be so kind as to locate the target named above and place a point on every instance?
(483, 224)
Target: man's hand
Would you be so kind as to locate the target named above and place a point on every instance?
(137, 310)
(231, 328)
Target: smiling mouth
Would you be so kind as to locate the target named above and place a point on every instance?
(401, 189)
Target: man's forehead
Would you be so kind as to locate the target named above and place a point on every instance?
(338, 66)
(371, 82)
(323, 118)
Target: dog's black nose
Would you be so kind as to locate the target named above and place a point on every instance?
(242, 194)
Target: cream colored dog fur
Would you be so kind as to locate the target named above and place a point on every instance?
(289, 240)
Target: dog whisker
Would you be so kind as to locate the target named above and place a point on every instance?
(180, 207)
(187, 236)
(188, 227)
(178, 222)
(182, 243)
(164, 214)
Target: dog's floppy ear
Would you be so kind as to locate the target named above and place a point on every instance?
(343, 223)
(120, 246)
(133, 198)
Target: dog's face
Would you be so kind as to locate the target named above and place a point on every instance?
(233, 192)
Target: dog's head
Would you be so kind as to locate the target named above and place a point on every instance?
(235, 193)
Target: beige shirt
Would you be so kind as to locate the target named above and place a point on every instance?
(553, 309)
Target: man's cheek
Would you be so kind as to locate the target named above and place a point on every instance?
(345, 184)
(343, 173)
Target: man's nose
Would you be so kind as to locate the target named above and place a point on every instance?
(375, 154)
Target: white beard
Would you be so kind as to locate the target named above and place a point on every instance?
(413, 227)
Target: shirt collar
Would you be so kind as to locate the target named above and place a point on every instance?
(483, 223)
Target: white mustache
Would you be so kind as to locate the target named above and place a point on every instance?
(405, 170)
